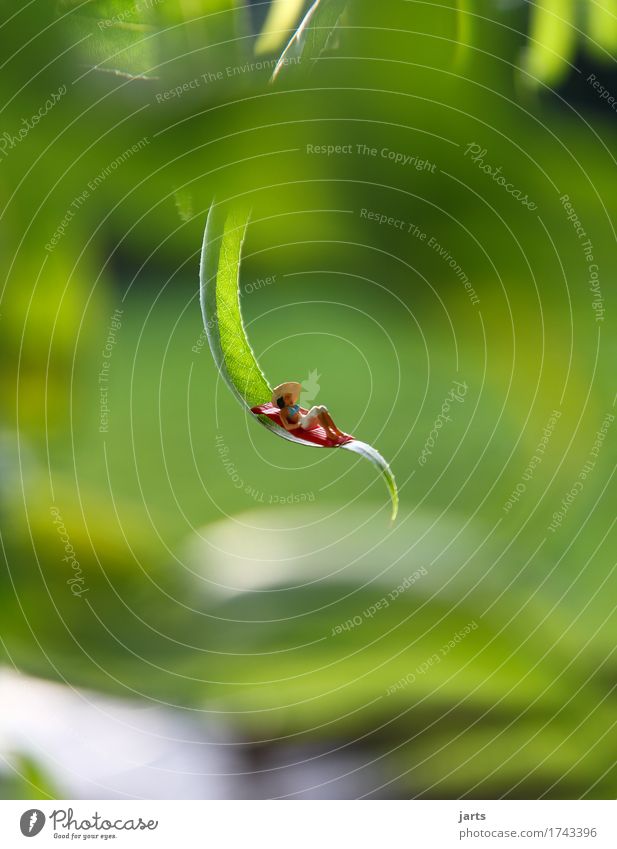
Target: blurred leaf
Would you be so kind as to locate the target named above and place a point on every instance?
(24, 779)
(526, 756)
(312, 36)
(602, 27)
(465, 27)
(201, 37)
(184, 203)
(114, 37)
(282, 16)
(58, 597)
(552, 40)
(511, 704)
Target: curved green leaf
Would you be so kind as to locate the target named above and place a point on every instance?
(366, 450)
(220, 305)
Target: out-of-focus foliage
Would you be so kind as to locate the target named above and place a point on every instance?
(283, 15)
(558, 27)
(22, 778)
(316, 31)
(552, 40)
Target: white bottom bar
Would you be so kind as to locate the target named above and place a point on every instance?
(310, 824)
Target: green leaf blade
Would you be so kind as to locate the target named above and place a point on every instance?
(220, 305)
(372, 455)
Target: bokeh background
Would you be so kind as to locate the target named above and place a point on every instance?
(191, 608)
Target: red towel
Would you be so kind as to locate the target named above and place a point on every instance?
(316, 435)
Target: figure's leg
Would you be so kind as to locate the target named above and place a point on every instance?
(331, 427)
(337, 429)
(326, 421)
(323, 421)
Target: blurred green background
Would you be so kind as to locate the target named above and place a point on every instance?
(232, 578)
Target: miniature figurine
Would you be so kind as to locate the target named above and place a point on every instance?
(293, 417)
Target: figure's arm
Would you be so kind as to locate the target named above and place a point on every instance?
(287, 424)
